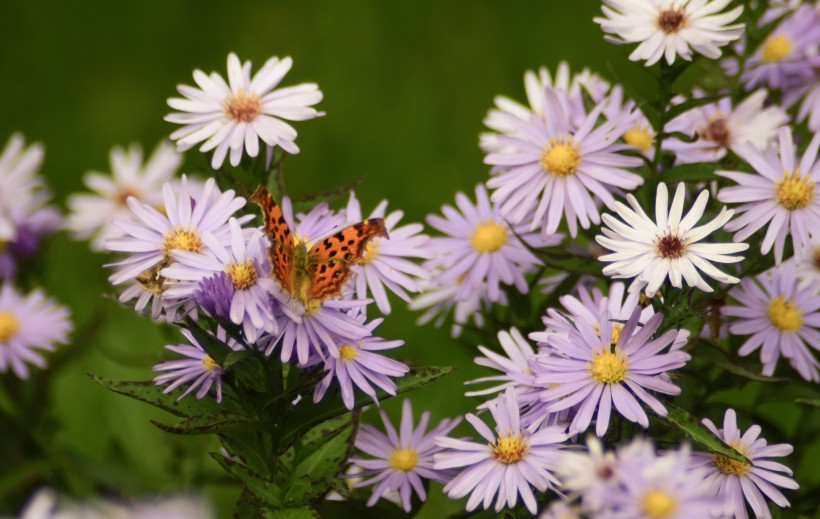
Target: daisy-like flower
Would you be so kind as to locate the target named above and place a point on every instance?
(91, 214)
(561, 510)
(670, 28)
(590, 369)
(385, 263)
(551, 169)
(438, 301)
(234, 116)
(641, 135)
(401, 459)
(19, 180)
(808, 264)
(29, 323)
(781, 194)
(738, 483)
(198, 370)
(519, 353)
(781, 318)
(481, 249)
(651, 250)
(510, 463)
(358, 364)
(719, 127)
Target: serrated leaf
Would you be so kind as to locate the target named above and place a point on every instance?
(691, 427)
(150, 393)
(267, 492)
(212, 424)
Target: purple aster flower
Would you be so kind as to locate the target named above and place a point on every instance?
(738, 483)
(28, 323)
(438, 301)
(807, 261)
(385, 263)
(597, 372)
(781, 193)
(640, 135)
(515, 366)
(482, 250)
(357, 364)
(781, 319)
(561, 510)
(509, 463)
(198, 370)
(401, 459)
(28, 228)
(214, 294)
(554, 169)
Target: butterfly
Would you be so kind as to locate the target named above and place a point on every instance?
(313, 274)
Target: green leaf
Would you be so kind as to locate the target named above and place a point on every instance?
(267, 492)
(691, 427)
(150, 393)
(678, 109)
(723, 360)
(699, 171)
(809, 401)
(291, 513)
(213, 424)
(326, 456)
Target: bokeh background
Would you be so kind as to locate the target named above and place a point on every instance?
(406, 87)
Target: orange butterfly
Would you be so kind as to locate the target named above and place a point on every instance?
(315, 274)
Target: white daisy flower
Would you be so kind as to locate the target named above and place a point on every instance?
(649, 251)
(235, 115)
(808, 264)
(91, 214)
(668, 28)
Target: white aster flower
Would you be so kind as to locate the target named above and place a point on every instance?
(235, 115)
(649, 251)
(808, 264)
(670, 28)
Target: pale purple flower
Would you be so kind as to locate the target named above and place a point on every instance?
(29, 323)
(19, 178)
(357, 363)
(438, 301)
(29, 226)
(781, 193)
(510, 462)
(640, 135)
(401, 459)
(386, 263)
(514, 367)
(781, 318)
(560, 510)
(553, 170)
(807, 261)
(591, 369)
(738, 483)
(214, 294)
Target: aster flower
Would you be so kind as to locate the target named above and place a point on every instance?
(518, 354)
(91, 214)
(640, 135)
(651, 250)
(482, 249)
(593, 473)
(597, 372)
(781, 193)
(385, 263)
(719, 127)
(358, 364)
(29, 323)
(738, 483)
(27, 227)
(438, 301)
(234, 116)
(561, 510)
(401, 459)
(510, 463)
(807, 261)
(198, 370)
(552, 169)
(781, 318)
(19, 180)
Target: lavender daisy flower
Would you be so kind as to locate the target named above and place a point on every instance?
(234, 116)
(27, 228)
(385, 263)
(807, 260)
(651, 250)
(556, 168)
(18, 176)
(641, 135)
(401, 459)
(561, 510)
(738, 483)
(214, 294)
(517, 362)
(781, 193)
(28, 323)
(482, 250)
(781, 319)
(358, 365)
(589, 370)
(719, 127)
(199, 370)
(438, 301)
(511, 462)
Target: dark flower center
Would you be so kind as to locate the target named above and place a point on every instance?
(671, 247)
(717, 131)
(671, 20)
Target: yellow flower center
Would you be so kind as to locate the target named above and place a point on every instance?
(560, 157)
(608, 367)
(640, 137)
(371, 250)
(209, 363)
(785, 315)
(729, 466)
(8, 325)
(242, 274)
(404, 459)
(488, 236)
(794, 191)
(776, 48)
(348, 352)
(509, 449)
(657, 504)
(671, 20)
(242, 106)
(182, 238)
(123, 194)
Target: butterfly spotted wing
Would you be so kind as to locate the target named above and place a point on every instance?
(281, 239)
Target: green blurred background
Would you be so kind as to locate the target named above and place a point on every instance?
(406, 87)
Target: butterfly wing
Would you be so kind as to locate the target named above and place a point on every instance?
(281, 239)
(332, 258)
